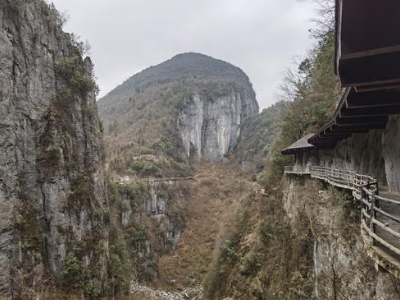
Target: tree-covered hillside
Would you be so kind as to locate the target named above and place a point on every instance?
(258, 133)
(182, 66)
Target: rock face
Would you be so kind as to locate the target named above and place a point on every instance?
(153, 221)
(341, 267)
(211, 129)
(391, 153)
(52, 196)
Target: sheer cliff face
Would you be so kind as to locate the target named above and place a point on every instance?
(52, 200)
(210, 129)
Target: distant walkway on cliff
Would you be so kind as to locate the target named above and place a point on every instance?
(127, 179)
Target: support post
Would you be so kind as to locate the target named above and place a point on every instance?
(373, 215)
(362, 195)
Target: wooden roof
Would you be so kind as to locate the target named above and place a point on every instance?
(299, 146)
(368, 43)
(368, 65)
(358, 113)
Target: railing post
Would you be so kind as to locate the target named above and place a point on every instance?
(373, 216)
(363, 206)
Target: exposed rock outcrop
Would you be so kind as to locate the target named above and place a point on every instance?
(52, 196)
(210, 129)
(153, 216)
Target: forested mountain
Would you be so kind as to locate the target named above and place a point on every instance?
(188, 108)
(181, 66)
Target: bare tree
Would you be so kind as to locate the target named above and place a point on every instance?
(325, 19)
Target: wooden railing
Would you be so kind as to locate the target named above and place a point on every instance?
(342, 178)
(380, 216)
(296, 170)
(371, 219)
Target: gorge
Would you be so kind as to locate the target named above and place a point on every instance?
(175, 186)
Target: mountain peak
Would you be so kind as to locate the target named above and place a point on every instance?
(183, 66)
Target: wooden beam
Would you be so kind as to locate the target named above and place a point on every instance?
(343, 130)
(373, 99)
(371, 52)
(381, 69)
(323, 141)
(378, 87)
(371, 111)
(361, 121)
(337, 135)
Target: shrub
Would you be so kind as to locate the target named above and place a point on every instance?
(81, 192)
(138, 165)
(29, 226)
(72, 273)
(51, 14)
(229, 253)
(75, 278)
(77, 81)
(52, 156)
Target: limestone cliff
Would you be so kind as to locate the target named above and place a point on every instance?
(152, 215)
(210, 129)
(52, 196)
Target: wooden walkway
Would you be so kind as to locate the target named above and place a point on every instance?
(380, 214)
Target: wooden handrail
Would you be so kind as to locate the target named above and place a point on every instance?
(366, 189)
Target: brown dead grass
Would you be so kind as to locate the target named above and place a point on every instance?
(213, 198)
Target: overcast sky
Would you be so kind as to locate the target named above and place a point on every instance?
(262, 37)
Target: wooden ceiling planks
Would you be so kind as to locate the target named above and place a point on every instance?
(368, 65)
(368, 42)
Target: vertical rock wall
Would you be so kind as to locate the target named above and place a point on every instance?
(210, 128)
(52, 196)
(391, 153)
(153, 220)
